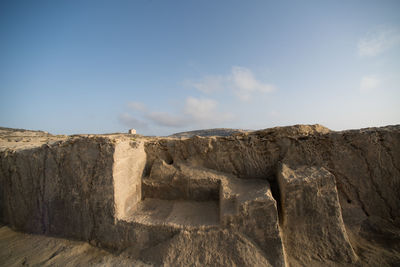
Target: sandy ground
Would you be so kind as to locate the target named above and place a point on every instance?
(184, 214)
(19, 249)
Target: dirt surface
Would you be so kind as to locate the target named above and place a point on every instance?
(20, 249)
(175, 213)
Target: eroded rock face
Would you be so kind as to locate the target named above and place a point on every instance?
(311, 217)
(248, 207)
(63, 189)
(129, 161)
(290, 196)
(208, 248)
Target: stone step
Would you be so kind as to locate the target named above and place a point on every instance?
(234, 193)
(176, 213)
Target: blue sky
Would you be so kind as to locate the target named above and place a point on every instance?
(168, 66)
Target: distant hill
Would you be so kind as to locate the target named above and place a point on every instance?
(209, 132)
(4, 131)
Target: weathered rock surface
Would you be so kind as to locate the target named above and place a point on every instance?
(311, 215)
(286, 196)
(20, 249)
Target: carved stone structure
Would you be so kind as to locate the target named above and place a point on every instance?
(290, 196)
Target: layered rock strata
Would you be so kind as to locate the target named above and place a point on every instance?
(290, 196)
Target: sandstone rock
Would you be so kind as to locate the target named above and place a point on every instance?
(212, 200)
(248, 207)
(129, 162)
(207, 248)
(311, 217)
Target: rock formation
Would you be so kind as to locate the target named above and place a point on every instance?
(287, 196)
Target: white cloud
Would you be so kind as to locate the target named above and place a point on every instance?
(198, 112)
(208, 84)
(204, 111)
(166, 119)
(241, 81)
(245, 84)
(199, 107)
(369, 83)
(378, 41)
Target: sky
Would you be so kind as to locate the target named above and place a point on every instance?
(161, 67)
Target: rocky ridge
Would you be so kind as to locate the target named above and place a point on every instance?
(209, 132)
(287, 196)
